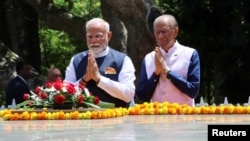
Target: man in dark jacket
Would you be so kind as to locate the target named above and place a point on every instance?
(18, 85)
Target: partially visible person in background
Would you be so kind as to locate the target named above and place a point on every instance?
(18, 86)
(53, 74)
(107, 73)
(172, 71)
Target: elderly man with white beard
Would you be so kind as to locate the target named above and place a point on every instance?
(107, 73)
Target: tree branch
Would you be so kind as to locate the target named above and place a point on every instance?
(58, 19)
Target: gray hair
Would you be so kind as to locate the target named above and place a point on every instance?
(167, 17)
(98, 20)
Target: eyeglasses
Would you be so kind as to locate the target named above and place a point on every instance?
(97, 36)
(165, 32)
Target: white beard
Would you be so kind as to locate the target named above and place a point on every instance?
(96, 50)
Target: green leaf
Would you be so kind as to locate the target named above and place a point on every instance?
(101, 104)
(106, 104)
(23, 104)
(92, 105)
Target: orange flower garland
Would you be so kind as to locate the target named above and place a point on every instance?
(61, 115)
(167, 108)
(154, 108)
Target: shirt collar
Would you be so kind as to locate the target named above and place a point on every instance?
(171, 50)
(103, 53)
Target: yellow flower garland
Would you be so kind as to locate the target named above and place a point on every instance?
(154, 108)
(8, 114)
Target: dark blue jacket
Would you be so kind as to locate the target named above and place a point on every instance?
(15, 90)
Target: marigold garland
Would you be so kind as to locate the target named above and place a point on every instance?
(8, 114)
(154, 108)
(166, 108)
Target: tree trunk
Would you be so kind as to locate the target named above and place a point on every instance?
(20, 22)
(134, 16)
(119, 32)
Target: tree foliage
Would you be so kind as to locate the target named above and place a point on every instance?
(57, 47)
(219, 30)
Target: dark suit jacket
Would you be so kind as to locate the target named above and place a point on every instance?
(15, 90)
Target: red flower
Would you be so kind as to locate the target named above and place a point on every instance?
(58, 85)
(80, 99)
(43, 95)
(38, 89)
(48, 85)
(59, 92)
(71, 89)
(96, 100)
(59, 99)
(26, 96)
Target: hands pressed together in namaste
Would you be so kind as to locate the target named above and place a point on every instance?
(160, 63)
(92, 70)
